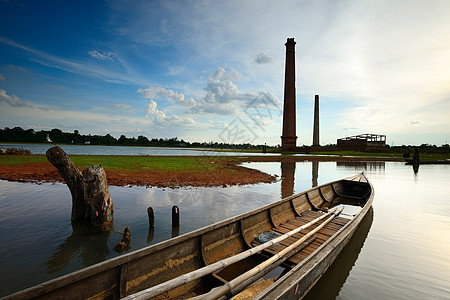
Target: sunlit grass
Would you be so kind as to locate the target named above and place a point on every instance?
(132, 163)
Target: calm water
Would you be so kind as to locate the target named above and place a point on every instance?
(124, 150)
(402, 251)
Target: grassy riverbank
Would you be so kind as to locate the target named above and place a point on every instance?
(162, 171)
(125, 163)
(174, 171)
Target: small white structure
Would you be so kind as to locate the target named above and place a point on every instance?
(48, 140)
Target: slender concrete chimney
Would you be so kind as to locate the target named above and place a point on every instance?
(289, 138)
(316, 142)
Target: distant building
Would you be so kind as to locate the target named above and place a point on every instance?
(363, 142)
(48, 140)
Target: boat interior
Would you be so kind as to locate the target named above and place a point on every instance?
(240, 235)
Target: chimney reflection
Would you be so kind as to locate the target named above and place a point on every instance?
(287, 178)
(315, 173)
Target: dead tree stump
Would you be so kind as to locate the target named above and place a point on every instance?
(73, 178)
(91, 202)
(96, 195)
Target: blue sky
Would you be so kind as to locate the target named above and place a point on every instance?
(214, 70)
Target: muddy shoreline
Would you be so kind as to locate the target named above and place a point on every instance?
(41, 172)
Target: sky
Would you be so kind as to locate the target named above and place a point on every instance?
(214, 70)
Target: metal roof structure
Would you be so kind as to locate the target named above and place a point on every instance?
(367, 141)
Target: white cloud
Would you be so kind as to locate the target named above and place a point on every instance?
(81, 68)
(102, 55)
(222, 95)
(224, 98)
(160, 119)
(170, 95)
(1, 77)
(217, 124)
(263, 58)
(156, 125)
(125, 107)
(13, 100)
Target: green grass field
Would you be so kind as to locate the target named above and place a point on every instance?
(132, 163)
(179, 163)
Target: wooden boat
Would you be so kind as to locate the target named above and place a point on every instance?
(222, 259)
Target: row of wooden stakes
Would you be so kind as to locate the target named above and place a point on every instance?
(151, 222)
(175, 217)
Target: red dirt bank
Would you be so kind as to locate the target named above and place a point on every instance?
(44, 172)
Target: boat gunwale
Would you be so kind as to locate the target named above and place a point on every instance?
(344, 234)
(118, 262)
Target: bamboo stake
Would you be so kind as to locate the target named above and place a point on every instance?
(216, 293)
(251, 280)
(248, 282)
(217, 266)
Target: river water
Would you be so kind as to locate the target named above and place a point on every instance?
(126, 150)
(401, 251)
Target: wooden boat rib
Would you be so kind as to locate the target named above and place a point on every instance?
(154, 265)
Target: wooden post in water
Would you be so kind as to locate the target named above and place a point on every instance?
(151, 224)
(175, 221)
(175, 216)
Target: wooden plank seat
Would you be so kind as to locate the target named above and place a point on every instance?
(307, 216)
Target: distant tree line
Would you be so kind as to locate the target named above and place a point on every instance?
(423, 148)
(19, 135)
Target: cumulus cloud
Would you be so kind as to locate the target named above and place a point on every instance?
(223, 96)
(160, 119)
(169, 95)
(263, 58)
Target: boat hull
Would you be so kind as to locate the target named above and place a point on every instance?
(297, 282)
(156, 264)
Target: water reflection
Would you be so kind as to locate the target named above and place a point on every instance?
(331, 282)
(91, 248)
(415, 168)
(287, 178)
(151, 234)
(175, 231)
(315, 173)
(361, 165)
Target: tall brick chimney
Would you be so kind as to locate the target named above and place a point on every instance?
(289, 138)
(316, 142)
